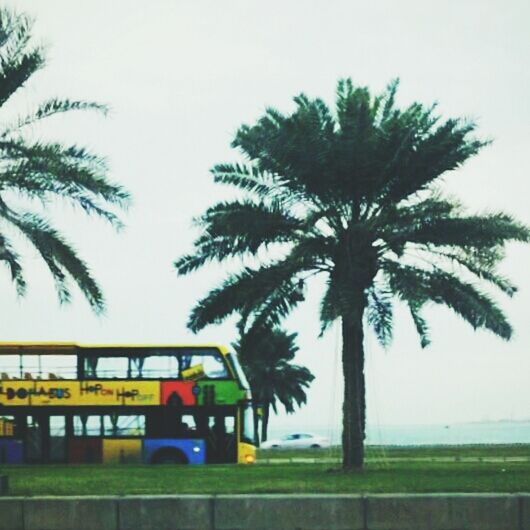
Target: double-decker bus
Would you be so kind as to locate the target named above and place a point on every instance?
(71, 403)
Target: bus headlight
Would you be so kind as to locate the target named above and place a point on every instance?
(196, 449)
(250, 459)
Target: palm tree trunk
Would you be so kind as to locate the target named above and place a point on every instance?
(265, 421)
(354, 407)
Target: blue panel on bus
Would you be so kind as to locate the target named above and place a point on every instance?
(163, 450)
(11, 451)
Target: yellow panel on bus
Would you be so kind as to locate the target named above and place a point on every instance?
(79, 393)
(122, 451)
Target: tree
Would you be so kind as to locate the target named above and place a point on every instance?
(353, 195)
(37, 171)
(266, 356)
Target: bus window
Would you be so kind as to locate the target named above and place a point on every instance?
(118, 425)
(198, 363)
(157, 367)
(38, 367)
(187, 427)
(10, 367)
(230, 425)
(174, 366)
(109, 425)
(58, 367)
(87, 425)
(107, 367)
(7, 426)
(211, 366)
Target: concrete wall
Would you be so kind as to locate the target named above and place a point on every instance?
(269, 512)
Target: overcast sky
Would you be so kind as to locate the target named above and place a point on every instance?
(182, 76)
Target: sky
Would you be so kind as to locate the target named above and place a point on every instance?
(181, 77)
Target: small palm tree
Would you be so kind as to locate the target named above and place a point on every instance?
(37, 171)
(266, 355)
(353, 195)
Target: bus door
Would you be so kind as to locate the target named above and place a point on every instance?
(45, 438)
(57, 442)
(220, 439)
(33, 441)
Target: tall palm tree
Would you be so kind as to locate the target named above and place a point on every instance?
(37, 171)
(353, 195)
(266, 356)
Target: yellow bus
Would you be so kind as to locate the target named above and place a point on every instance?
(73, 403)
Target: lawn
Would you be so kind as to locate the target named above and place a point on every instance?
(378, 453)
(384, 476)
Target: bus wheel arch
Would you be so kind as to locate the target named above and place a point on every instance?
(169, 455)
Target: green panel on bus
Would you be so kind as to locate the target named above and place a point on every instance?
(219, 393)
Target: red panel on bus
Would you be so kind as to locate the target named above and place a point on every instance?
(178, 389)
(85, 451)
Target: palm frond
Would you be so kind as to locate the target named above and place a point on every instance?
(421, 325)
(429, 152)
(295, 380)
(242, 293)
(51, 107)
(61, 259)
(266, 354)
(386, 104)
(52, 167)
(237, 228)
(479, 231)
(380, 315)
(46, 171)
(248, 220)
(294, 148)
(419, 286)
(399, 218)
(330, 305)
(18, 62)
(482, 262)
(247, 178)
(278, 304)
(12, 261)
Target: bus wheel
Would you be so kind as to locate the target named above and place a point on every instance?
(169, 455)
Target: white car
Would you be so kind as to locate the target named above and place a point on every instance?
(297, 441)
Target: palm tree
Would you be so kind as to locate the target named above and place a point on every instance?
(266, 356)
(36, 171)
(353, 195)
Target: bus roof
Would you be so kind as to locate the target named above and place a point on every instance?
(72, 348)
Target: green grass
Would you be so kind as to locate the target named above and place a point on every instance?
(377, 453)
(388, 470)
(403, 476)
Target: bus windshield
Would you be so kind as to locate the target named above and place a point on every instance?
(239, 371)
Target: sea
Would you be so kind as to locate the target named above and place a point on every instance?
(498, 432)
